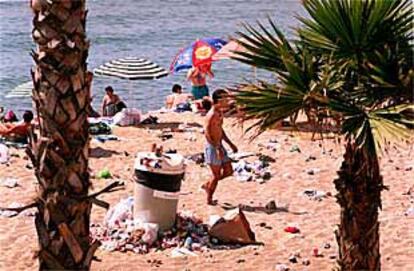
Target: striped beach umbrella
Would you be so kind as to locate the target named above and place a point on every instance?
(131, 68)
(21, 91)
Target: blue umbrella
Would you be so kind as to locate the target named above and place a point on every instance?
(184, 59)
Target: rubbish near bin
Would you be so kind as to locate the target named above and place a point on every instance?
(157, 186)
(233, 227)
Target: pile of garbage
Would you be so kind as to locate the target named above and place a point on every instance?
(120, 232)
(139, 237)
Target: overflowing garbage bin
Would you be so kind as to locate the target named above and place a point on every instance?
(157, 187)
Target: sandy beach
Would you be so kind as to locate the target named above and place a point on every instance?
(290, 177)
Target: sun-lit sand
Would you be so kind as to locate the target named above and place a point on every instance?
(316, 219)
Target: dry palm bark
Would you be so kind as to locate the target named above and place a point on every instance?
(359, 194)
(60, 155)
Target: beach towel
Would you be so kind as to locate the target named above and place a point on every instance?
(127, 117)
(18, 144)
(183, 107)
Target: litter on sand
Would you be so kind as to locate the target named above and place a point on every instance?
(7, 213)
(119, 232)
(314, 194)
(247, 172)
(104, 174)
(9, 182)
(233, 227)
(4, 154)
(104, 138)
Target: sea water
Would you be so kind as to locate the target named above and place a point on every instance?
(153, 29)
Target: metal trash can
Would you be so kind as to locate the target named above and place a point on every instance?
(157, 187)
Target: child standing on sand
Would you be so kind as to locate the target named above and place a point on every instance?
(215, 154)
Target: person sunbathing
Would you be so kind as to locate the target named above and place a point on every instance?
(202, 106)
(20, 131)
(177, 98)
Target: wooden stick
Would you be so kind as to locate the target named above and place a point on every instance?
(20, 209)
(112, 187)
(100, 203)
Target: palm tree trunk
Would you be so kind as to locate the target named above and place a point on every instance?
(359, 194)
(60, 155)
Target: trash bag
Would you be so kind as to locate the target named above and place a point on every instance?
(119, 213)
(233, 227)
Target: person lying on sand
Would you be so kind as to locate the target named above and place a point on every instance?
(20, 131)
(215, 154)
(202, 106)
(177, 97)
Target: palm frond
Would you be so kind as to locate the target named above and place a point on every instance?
(263, 49)
(354, 29)
(268, 103)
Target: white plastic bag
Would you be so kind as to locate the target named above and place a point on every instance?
(151, 233)
(4, 154)
(120, 212)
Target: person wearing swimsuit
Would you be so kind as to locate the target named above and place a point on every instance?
(215, 154)
(110, 102)
(197, 76)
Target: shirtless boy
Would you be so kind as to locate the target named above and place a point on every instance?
(215, 154)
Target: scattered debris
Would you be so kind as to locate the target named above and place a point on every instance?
(4, 154)
(313, 171)
(104, 174)
(310, 158)
(315, 252)
(247, 172)
(314, 194)
(271, 206)
(409, 212)
(181, 252)
(293, 259)
(11, 213)
(9, 182)
(103, 138)
(165, 136)
(272, 145)
(295, 148)
(233, 227)
(240, 155)
(281, 267)
(198, 158)
(292, 229)
(306, 262)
